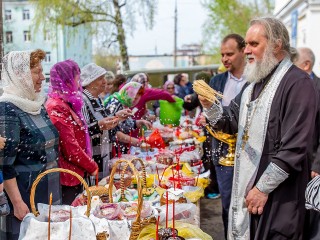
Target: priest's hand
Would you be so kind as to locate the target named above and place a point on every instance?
(204, 102)
(314, 174)
(256, 201)
(202, 120)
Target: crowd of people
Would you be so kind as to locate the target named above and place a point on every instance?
(270, 100)
(84, 121)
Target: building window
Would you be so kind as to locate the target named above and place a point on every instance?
(7, 15)
(48, 57)
(9, 37)
(47, 36)
(27, 36)
(26, 14)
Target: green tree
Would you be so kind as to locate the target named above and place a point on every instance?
(231, 16)
(118, 17)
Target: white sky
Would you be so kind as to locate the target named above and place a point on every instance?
(191, 16)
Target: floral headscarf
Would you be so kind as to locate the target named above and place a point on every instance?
(64, 86)
(127, 94)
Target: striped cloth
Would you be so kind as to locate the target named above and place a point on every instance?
(313, 194)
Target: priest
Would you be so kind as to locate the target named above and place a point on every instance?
(274, 117)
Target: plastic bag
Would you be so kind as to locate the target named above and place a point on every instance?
(192, 193)
(57, 212)
(129, 210)
(109, 211)
(182, 211)
(185, 230)
(155, 140)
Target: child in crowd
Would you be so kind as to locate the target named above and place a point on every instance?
(4, 207)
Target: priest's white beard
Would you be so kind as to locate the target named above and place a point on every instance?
(258, 70)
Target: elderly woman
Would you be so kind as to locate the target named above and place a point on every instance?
(128, 96)
(93, 80)
(148, 95)
(32, 139)
(64, 108)
(109, 76)
(169, 87)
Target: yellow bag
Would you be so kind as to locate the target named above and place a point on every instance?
(192, 193)
(150, 180)
(185, 230)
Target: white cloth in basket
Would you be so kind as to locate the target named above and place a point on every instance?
(34, 229)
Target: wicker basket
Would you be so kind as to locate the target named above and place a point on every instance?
(122, 180)
(100, 236)
(138, 223)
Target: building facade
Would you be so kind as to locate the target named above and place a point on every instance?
(60, 43)
(301, 18)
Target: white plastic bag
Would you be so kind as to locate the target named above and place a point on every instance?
(183, 211)
(33, 228)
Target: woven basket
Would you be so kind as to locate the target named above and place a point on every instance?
(138, 223)
(100, 236)
(122, 180)
(146, 221)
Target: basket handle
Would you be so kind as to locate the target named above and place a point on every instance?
(40, 176)
(144, 175)
(136, 174)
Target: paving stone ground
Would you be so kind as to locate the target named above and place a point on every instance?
(210, 218)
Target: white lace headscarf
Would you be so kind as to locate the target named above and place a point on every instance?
(17, 83)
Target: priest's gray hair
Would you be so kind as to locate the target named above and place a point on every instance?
(275, 31)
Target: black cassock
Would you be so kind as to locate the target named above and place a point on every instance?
(288, 138)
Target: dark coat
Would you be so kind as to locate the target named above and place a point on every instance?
(316, 140)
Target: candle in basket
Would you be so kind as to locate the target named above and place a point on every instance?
(173, 206)
(157, 228)
(49, 215)
(167, 204)
(70, 229)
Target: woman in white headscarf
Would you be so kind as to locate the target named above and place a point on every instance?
(32, 140)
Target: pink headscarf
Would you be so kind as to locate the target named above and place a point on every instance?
(63, 86)
(167, 83)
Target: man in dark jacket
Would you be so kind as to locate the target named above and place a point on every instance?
(305, 60)
(230, 84)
